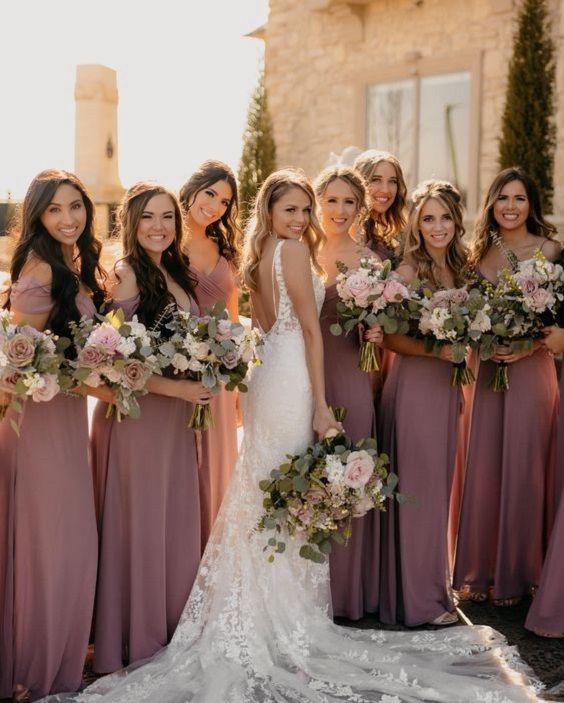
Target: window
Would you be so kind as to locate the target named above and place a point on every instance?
(425, 122)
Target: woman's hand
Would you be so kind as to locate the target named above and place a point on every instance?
(193, 392)
(373, 334)
(553, 339)
(323, 421)
(504, 353)
(102, 392)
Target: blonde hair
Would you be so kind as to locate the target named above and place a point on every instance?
(260, 224)
(415, 253)
(486, 222)
(356, 183)
(388, 226)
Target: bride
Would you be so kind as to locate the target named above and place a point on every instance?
(254, 631)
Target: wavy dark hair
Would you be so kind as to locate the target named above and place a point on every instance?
(225, 232)
(486, 223)
(154, 295)
(34, 239)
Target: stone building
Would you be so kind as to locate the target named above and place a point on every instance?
(96, 138)
(424, 79)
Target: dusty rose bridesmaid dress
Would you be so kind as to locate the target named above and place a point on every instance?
(148, 509)
(501, 538)
(218, 444)
(48, 543)
(354, 567)
(418, 428)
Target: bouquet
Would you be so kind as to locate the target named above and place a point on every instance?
(115, 353)
(371, 295)
(459, 317)
(211, 349)
(524, 301)
(316, 495)
(30, 364)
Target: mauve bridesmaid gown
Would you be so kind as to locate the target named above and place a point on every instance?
(48, 543)
(418, 426)
(218, 444)
(354, 567)
(502, 532)
(148, 509)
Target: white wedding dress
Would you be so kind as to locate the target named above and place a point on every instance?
(258, 632)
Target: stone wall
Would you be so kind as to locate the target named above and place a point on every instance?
(321, 55)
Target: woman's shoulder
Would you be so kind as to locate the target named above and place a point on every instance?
(122, 281)
(551, 249)
(407, 271)
(38, 270)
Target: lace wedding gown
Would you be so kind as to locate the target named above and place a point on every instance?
(258, 632)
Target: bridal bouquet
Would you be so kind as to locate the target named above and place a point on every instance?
(524, 301)
(115, 353)
(459, 317)
(316, 495)
(371, 295)
(211, 349)
(30, 364)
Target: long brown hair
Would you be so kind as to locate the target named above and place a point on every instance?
(154, 295)
(225, 232)
(486, 222)
(389, 225)
(415, 253)
(260, 224)
(34, 239)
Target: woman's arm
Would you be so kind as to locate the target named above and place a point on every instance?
(191, 391)
(232, 304)
(297, 275)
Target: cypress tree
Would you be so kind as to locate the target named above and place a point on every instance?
(528, 137)
(258, 157)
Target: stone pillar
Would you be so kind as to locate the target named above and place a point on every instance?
(96, 137)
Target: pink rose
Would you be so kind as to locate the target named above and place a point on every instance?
(359, 469)
(135, 374)
(20, 350)
(91, 356)
(230, 359)
(47, 389)
(541, 299)
(458, 295)
(305, 516)
(93, 380)
(223, 330)
(358, 288)
(527, 284)
(440, 299)
(106, 337)
(9, 380)
(394, 291)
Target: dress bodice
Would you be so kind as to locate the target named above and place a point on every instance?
(130, 305)
(30, 296)
(286, 318)
(219, 284)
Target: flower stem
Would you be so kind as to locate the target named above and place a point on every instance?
(368, 358)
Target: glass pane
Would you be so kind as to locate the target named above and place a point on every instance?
(390, 121)
(444, 128)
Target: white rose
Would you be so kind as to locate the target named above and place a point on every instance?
(126, 347)
(179, 362)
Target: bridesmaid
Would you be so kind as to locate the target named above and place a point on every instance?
(501, 535)
(420, 436)
(342, 195)
(145, 470)
(209, 201)
(48, 544)
(546, 615)
(386, 222)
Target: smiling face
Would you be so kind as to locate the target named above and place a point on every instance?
(339, 208)
(157, 225)
(436, 225)
(511, 208)
(65, 216)
(211, 203)
(383, 187)
(290, 215)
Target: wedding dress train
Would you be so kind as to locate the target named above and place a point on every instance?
(258, 632)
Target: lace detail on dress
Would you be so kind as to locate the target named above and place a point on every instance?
(260, 632)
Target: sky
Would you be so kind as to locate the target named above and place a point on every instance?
(185, 75)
